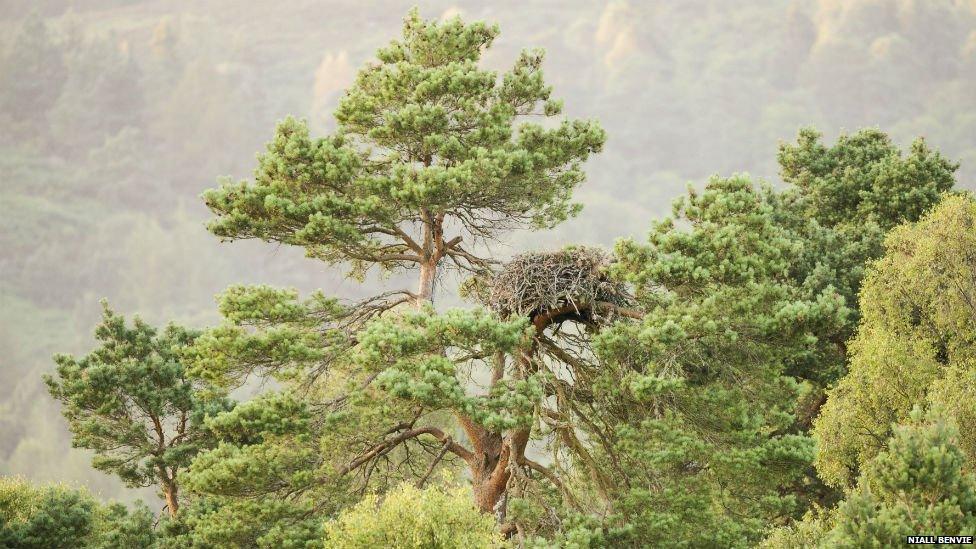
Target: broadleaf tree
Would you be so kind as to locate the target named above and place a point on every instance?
(411, 518)
(915, 344)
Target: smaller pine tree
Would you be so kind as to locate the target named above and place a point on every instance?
(917, 487)
(133, 404)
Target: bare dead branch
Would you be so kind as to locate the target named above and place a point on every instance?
(433, 464)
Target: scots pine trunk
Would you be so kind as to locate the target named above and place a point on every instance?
(488, 466)
(170, 494)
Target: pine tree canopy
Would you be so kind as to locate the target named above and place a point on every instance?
(432, 154)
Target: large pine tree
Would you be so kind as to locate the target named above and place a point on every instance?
(433, 157)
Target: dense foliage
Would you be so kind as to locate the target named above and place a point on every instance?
(781, 366)
(914, 345)
(117, 114)
(426, 139)
(133, 403)
(920, 482)
(705, 410)
(413, 519)
(62, 517)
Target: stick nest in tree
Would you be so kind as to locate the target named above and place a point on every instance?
(539, 282)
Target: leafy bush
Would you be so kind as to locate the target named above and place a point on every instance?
(57, 516)
(432, 518)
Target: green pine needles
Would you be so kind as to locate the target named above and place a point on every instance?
(432, 154)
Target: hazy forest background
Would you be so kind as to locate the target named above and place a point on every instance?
(116, 114)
